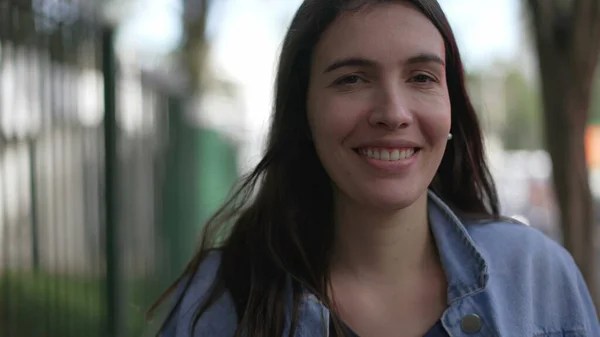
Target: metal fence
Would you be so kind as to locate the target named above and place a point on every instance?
(97, 184)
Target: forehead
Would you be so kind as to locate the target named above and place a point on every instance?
(389, 31)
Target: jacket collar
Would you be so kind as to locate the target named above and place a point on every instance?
(466, 269)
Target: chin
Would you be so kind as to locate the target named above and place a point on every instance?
(391, 199)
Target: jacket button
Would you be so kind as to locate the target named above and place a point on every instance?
(470, 323)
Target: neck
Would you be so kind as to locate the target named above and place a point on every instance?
(382, 246)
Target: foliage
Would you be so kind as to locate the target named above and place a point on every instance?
(523, 128)
(521, 124)
(41, 304)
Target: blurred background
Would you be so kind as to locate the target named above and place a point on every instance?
(124, 124)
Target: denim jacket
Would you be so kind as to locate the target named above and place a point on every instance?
(505, 279)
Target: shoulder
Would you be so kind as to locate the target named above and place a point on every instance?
(527, 267)
(192, 292)
(509, 247)
(205, 276)
(511, 239)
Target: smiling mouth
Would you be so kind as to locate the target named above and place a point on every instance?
(387, 154)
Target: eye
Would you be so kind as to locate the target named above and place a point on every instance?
(349, 80)
(423, 78)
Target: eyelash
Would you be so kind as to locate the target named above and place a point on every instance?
(426, 77)
(340, 81)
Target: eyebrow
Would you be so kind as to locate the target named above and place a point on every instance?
(363, 62)
(426, 58)
(350, 62)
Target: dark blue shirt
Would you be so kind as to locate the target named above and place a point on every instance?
(436, 331)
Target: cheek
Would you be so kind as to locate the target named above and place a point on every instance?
(436, 120)
(333, 119)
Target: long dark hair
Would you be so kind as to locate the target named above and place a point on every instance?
(278, 223)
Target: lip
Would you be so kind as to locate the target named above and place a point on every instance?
(389, 144)
(391, 167)
(386, 166)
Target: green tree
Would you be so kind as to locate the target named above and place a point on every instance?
(508, 105)
(522, 129)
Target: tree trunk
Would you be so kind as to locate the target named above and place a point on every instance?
(568, 43)
(195, 17)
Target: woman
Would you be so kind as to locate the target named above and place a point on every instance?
(372, 212)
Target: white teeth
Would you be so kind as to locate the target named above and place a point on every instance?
(407, 153)
(387, 155)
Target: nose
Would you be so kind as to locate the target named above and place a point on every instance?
(392, 112)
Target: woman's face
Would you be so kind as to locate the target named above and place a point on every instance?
(378, 104)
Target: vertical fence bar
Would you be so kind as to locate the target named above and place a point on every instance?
(4, 291)
(113, 293)
(35, 244)
(7, 296)
(8, 244)
(4, 30)
(46, 186)
(68, 160)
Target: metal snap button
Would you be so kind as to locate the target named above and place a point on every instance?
(470, 323)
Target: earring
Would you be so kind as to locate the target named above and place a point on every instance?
(449, 136)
